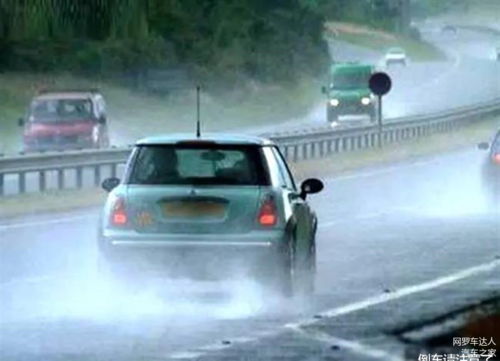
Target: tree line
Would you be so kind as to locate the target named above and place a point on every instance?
(265, 40)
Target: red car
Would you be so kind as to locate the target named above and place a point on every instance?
(65, 119)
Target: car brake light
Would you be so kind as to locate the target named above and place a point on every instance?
(268, 215)
(496, 158)
(118, 213)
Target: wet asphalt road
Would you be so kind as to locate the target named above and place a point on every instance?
(387, 238)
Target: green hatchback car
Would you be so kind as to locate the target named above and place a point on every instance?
(216, 206)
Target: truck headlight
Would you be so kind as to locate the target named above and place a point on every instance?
(366, 100)
(334, 102)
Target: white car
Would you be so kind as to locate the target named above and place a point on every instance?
(396, 56)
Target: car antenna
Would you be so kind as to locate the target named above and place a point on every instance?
(198, 112)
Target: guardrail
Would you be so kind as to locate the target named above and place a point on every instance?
(322, 141)
(296, 145)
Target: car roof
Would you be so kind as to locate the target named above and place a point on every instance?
(65, 95)
(218, 138)
(356, 66)
(396, 49)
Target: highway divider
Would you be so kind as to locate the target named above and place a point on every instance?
(308, 143)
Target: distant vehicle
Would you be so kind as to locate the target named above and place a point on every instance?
(348, 91)
(186, 204)
(449, 29)
(396, 56)
(65, 119)
(491, 168)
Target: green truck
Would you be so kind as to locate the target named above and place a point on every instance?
(348, 92)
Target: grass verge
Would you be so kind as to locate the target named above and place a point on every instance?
(468, 136)
(419, 51)
(50, 201)
(136, 114)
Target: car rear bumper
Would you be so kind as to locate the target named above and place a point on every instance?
(395, 60)
(196, 256)
(352, 109)
(39, 147)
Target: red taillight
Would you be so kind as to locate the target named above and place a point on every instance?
(118, 213)
(268, 216)
(496, 158)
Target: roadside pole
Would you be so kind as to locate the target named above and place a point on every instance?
(380, 84)
(198, 125)
(379, 119)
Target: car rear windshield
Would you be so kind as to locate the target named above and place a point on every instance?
(53, 110)
(198, 165)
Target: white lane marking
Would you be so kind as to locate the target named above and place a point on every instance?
(352, 346)
(405, 291)
(220, 346)
(185, 355)
(353, 307)
(43, 222)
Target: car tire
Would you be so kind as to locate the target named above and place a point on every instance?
(103, 142)
(296, 272)
(104, 138)
(331, 116)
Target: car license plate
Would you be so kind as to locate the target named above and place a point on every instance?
(198, 209)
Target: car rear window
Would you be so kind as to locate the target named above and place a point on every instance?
(198, 165)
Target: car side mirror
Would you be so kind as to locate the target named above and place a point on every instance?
(110, 183)
(310, 186)
(102, 119)
(323, 89)
(20, 122)
(483, 146)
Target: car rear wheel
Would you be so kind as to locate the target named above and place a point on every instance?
(331, 115)
(296, 271)
(100, 138)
